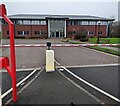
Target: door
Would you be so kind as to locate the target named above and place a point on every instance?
(57, 34)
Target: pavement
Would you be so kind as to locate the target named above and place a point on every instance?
(60, 87)
(33, 41)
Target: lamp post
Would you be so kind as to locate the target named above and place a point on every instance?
(73, 34)
(98, 31)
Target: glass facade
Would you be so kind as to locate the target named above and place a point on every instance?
(57, 28)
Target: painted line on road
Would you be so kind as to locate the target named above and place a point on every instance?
(81, 88)
(87, 83)
(78, 86)
(0, 97)
(6, 93)
(97, 65)
(21, 69)
(24, 87)
(92, 86)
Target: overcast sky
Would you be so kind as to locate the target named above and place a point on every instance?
(103, 9)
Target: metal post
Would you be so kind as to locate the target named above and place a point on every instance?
(12, 51)
(98, 32)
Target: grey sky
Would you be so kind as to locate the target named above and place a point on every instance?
(104, 9)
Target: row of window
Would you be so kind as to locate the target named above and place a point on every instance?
(87, 32)
(40, 33)
(27, 32)
(86, 23)
(43, 22)
(30, 22)
(23, 32)
(44, 32)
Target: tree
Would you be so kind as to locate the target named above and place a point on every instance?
(81, 34)
(114, 30)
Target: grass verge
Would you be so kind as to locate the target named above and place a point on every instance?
(104, 40)
(97, 48)
(105, 50)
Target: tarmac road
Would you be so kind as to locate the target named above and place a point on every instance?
(105, 78)
(53, 88)
(30, 57)
(77, 56)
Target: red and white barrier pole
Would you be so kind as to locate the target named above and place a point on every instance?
(59, 45)
(11, 69)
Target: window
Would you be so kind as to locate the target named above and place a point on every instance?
(71, 23)
(20, 22)
(85, 23)
(36, 32)
(104, 23)
(79, 22)
(39, 32)
(23, 32)
(26, 32)
(91, 23)
(7, 32)
(20, 32)
(74, 32)
(90, 32)
(35, 22)
(26, 22)
(100, 33)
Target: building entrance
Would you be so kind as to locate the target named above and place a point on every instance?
(57, 28)
(57, 34)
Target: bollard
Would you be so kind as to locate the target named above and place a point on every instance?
(48, 45)
(50, 61)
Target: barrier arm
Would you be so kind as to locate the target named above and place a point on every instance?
(11, 69)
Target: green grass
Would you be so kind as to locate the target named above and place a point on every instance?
(74, 42)
(104, 40)
(105, 50)
(98, 48)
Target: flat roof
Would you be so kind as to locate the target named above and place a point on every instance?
(70, 17)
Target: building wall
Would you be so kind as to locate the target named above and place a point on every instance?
(90, 28)
(5, 28)
(42, 30)
(22, 28)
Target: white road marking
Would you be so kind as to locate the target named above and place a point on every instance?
(24, 87)
(0, 97)
(92, 86)
(21, 69)
(81, 88)
(6, 93)
(97, 65)
(87, 83)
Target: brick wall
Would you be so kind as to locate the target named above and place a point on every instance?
(31, 31)
(92, 28)
(5, 28)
